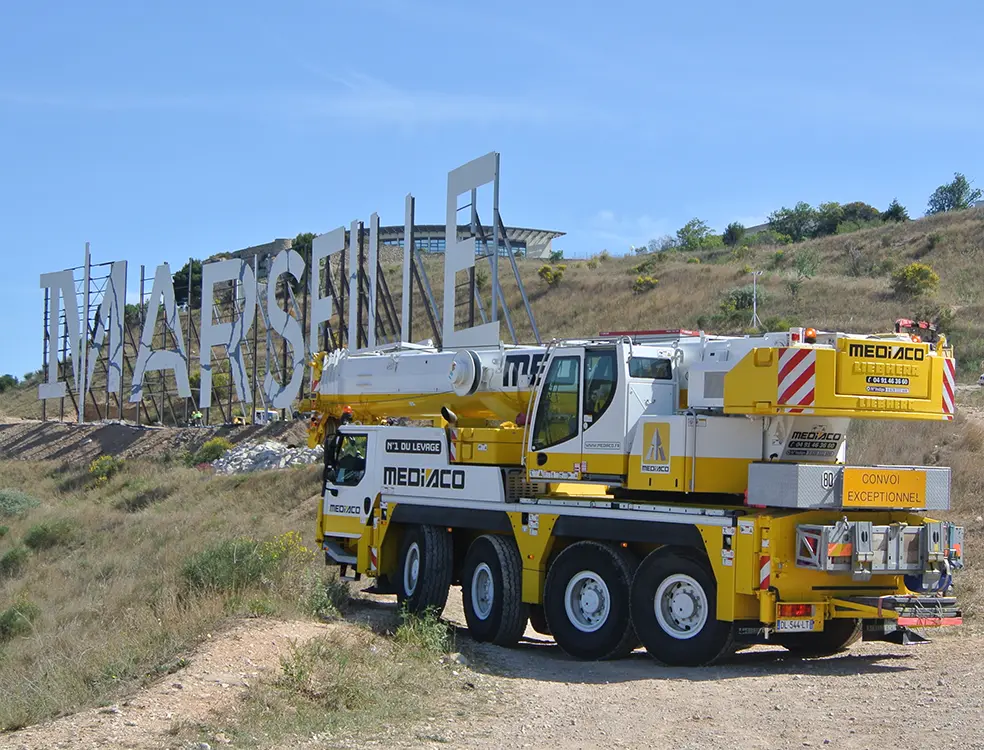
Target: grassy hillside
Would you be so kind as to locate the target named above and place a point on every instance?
(160, 556)
(850, 290)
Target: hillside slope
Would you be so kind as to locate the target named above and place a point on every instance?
(850, 290)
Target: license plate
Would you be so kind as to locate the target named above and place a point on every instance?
(795, 625)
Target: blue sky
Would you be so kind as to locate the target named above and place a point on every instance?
(159, 132)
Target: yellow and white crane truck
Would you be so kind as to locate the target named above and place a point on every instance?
(686, 492)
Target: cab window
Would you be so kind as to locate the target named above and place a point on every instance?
(350, 460)
(652, 368)
(599, 383)
(557, 417)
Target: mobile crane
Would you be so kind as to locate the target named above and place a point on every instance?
(682, 491)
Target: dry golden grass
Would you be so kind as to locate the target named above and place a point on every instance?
(349, 681)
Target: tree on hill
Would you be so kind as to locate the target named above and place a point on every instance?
(798, 222)
(693, 235)
(895, 212)
(733, 233)
(181, 284)
(860, 212)
(828, 217)
(7, 381)
(953, 196)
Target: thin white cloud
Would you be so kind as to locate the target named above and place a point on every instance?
(351, 96)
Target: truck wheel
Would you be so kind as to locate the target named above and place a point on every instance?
(674, 611)
(586, 601)
(424, 573)
(837, 635)
(492, 591)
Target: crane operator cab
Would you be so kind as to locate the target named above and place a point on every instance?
(588, 405)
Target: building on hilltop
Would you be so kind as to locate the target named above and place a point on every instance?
(432, 238)
(428, 238)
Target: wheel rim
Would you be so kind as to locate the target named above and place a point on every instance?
(681, 606)
(411, 569)
(587, 601)
(482, 591)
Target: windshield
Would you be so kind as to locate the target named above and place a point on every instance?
(350, 460)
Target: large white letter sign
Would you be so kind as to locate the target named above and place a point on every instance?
(353, 286)
(111, 309)
(372, 269)
(322, 247)
(230, 335)
(460, 256)
(282, 395)
(62, 286)
(163, 359)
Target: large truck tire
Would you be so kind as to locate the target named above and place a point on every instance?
(425, 567)
(836, 636)
(674, 611)
(586, 601)
(492, 591)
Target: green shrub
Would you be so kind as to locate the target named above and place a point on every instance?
(741, 299)
(4, 530)
(15, 502)
(234, 565)
(17, 619)
(211, 450)
(227, 567)
(327, 597)
(592, 263)
(778, 258)
(604, 256)
(103, 468)
(644, 284)
(551, 276)
(48, 534)
(13, 562)
(425, 632)
(914, 280)
(693, 260)
(647, 266)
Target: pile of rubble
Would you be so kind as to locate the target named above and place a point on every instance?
(263, 456)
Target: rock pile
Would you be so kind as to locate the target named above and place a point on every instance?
(263, 456)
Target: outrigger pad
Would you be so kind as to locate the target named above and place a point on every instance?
(887, 631)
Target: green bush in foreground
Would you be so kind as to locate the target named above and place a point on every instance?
(18, 619)
(15, 502)
(48, 534)
(103, 468)
(211, 450)
(425, 633)
(13, 561)
(234, 565)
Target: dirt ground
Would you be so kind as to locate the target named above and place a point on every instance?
(876, 695)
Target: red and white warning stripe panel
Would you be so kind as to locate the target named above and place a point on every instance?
(949, 378)
(765, 572)
(796, 384)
